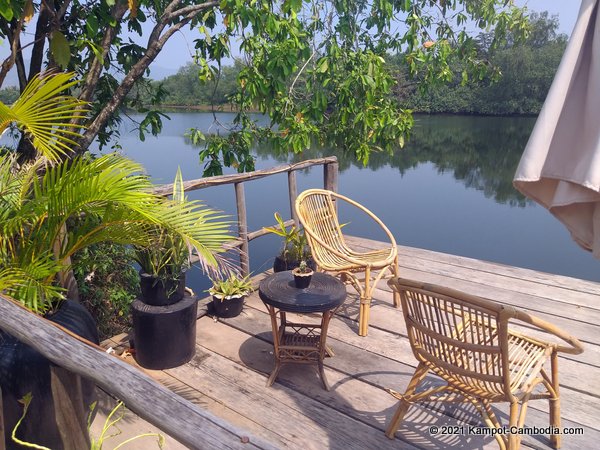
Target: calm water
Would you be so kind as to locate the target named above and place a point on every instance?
(449, 190)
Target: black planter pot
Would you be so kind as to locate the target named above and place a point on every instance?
(158, 292)
(23, 370)
(302, 281)
(231, 307)
(164, 336)
(280, 264)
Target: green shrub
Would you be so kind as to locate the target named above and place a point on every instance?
(108, 284)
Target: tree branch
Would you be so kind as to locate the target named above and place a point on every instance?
(192, 9)
(155, 44)
(14, 38)
(91, 80)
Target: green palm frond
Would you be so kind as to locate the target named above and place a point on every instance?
(46, 116)
(109, 199)
(29, 285)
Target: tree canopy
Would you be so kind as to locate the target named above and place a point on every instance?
(527, 72)
(336, 49)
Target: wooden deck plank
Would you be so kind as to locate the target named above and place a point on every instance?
(588, 317)
(561, 288)
(577, 406)
(376, 370)
(385, 316)
(348, 395)
(235, 357)
(299, 419)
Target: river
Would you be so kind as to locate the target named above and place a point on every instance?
(449, 190)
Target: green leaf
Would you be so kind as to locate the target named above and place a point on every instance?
(323, 66)
(59, 47)
(91, 25)
(6, 10)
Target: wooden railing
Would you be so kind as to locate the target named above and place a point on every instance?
(184, 421)
(330, 180)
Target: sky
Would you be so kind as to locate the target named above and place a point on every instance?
(180, 48)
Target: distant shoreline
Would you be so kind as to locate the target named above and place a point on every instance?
(203, 108)
(231, 108)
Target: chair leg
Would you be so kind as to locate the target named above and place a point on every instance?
(365, 306)
(555, 401)
(395, 292)
(514, 441)
(490, 419)
(403, 406)
(363, 316)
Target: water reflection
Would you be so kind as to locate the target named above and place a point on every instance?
(480, 152)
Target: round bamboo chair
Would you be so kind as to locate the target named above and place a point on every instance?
(317, 212)
(466, 341)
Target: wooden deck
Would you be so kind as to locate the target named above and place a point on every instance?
(234, 357)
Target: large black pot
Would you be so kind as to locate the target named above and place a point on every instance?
(158, 292)
(164, 336)
(230, 307)
(280, 264)
(23, 370)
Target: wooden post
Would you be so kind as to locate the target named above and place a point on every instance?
(330, 176)
(70, 412)
(293, 189)
(240, 201)
(2, 442)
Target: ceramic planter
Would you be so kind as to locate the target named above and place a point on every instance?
(157, 292)
(302, 280)
(229, 307)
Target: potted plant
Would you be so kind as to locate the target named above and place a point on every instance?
(163, 264)
(164, 259)
(295, 247)
(229, 294)
(302, 275)
(164, 318)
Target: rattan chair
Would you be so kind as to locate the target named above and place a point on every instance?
(466, 340)
(317, 212)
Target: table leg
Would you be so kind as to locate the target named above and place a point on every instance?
(274, 374)
(323, 378)
(323, 347)
(276, 343)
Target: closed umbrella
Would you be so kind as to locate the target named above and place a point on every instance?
(560, 167)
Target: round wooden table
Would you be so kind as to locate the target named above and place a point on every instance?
(300, 343)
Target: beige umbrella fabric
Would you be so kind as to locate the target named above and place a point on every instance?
(560, 167)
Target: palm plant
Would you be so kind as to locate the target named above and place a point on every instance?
(109, 196)
(166, 256)
(295, 245)
(45, 115)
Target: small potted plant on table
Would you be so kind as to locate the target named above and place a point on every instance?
(229, 294)
(295, 247)
(302, 275)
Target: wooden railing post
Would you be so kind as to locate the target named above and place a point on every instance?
(240, 201)
(293, 190)
(330, 176)
(70, 411)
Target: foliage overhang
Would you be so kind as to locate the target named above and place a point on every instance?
(315, 67)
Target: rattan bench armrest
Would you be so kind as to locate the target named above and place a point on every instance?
(575, 346)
